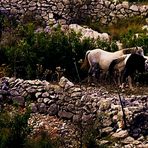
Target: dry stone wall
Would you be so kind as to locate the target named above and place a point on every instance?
(80, 105)
(72, 11)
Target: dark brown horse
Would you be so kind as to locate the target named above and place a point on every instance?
(135, 63)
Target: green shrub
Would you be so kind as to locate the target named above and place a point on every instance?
(52, 49)
(129, 40)
(24, 47)
(14, 129)
(16, 133)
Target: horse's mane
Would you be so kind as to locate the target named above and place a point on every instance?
(133, 50)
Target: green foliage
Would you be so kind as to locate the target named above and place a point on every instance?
(113, 46)
(87, 134)
(124, 30)
(24, 47)
(16, 133)
(90, 136)
(130, 40)
(55, 48)
(103, 45)
(14, 129)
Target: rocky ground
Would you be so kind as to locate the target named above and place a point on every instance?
(72, 112)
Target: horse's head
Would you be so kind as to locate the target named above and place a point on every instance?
(139, 50)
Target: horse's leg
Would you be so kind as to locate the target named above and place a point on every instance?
(119, 78)
(115, 77)
(130, 83)
(97, 74)
(106, 77)
(112, 78)
(89, 79)
(89, 75)
(103, 76)
(93, 73)
(123, 79)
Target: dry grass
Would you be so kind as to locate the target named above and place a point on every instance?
(121, 27)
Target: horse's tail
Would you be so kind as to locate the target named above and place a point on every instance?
(85, 64)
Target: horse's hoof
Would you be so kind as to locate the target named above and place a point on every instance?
(132, 89)
(121, 87)
(122, 90)
(93, 84)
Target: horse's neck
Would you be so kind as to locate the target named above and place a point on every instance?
(136, 50)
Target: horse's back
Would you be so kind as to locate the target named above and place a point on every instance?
(104, 58)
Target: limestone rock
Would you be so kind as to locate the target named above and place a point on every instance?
(104, 105)
(65, 83)
(65, 114)
(121, 134)
(53, 109)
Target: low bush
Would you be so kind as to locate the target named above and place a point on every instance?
(14, 129)
(15, 132)
(27, 48)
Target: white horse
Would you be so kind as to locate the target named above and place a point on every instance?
(104, 58)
